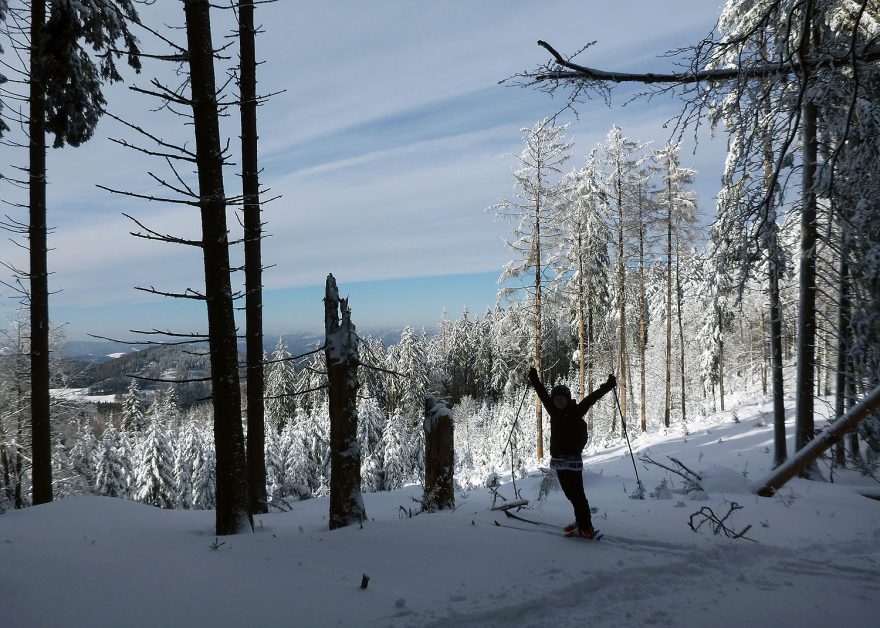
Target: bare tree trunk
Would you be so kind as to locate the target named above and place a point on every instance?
(850, 403)
(765, 354)
(346, 502)
(680, 336)
(780, 453)
(539, 417)
(592, 349)
(843, 316)
(643, 327)
(439, 456)
(621, 295)
(253, 264)
(581, 331)
(668, 406)
(7, 477)
(806, 358)
(719, 314)
(41, 439)
(232, 486)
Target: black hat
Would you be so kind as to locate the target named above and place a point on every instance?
(560, 389)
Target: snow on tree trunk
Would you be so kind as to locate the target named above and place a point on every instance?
(341, 350)
(807, 455)
(439, 456)
(231, 473)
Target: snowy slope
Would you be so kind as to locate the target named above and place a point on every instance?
(815, 558)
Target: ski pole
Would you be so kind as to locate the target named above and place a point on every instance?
(626, 435)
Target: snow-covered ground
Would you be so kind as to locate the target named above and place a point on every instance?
(814, 559)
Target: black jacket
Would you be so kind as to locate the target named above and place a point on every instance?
(568, 431)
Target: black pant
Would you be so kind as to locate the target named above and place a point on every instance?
(572, 483)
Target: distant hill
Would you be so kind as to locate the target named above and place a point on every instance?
(98, 351)
(105, 367)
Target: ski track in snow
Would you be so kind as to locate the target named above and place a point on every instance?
(638, 591)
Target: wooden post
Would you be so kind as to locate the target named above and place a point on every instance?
(814, 448)
(439, 456)
(346, 502)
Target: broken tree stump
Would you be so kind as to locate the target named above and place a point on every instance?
(341, 351)
(439, 456)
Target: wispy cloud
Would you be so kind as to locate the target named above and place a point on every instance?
(386, 146)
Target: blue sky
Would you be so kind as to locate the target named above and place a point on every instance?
(386, 147)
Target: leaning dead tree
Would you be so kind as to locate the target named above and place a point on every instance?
(832, 434)
(341, 350)
(439, 456)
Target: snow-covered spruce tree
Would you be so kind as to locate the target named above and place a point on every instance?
(713, 291)
(132, 409)
(274, 468)
(510, 332)
(536, 196)
(166, 409)
(112, 469)
(154, 473)
(82, 456)
(406, 394)
(371, 422)
(204, 477)
(399, 451)
(308, 463)
(280, 388)
(187, 448)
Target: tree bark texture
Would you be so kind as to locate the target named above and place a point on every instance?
(843, 331)
(253, 263)
(439, 456)
(233, 508)
(643, 328)
(719, 314)
(806, 359)
(680, 336)
(539, 415)
(346, 502)
(41, 439)
(581, 304)
(621, 289)
(668, 407)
